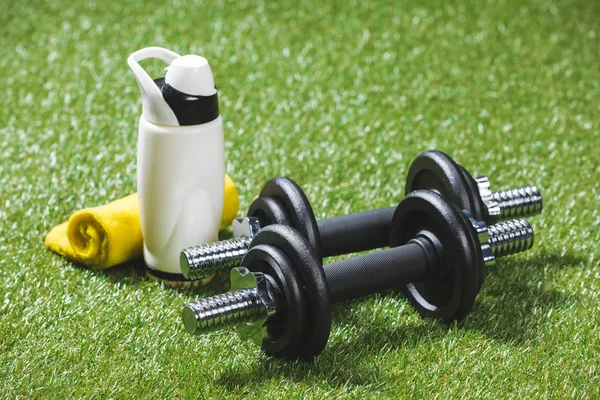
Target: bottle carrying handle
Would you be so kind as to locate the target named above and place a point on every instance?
(153, 105)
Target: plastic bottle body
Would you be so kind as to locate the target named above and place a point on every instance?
(180, 188)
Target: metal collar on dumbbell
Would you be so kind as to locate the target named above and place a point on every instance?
(246, 227)
(509, 203)
(266, 298)
(483, 234)
(485, 192)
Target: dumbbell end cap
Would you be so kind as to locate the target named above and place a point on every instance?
(189, 320)
(184, 263)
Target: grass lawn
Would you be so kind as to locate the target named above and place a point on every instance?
(340, 97)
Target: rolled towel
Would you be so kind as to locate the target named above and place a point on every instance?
(111, 234)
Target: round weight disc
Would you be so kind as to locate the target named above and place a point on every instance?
(298, 209)
(452, 296)
(479, 266)
(269, 211)
(435, 170)
(317, 323)
(286, 328)
(479, 210)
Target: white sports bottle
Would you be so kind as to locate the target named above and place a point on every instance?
(180, 165)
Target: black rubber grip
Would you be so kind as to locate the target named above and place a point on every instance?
(356, 232)
(377, 271)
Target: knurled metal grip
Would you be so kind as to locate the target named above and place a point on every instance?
(518, 202)
(510, 237)
(213, 257)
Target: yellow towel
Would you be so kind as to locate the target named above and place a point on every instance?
(104, 236)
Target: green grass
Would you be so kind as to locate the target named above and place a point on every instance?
(340, 97)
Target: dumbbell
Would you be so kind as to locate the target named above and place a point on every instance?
(281, 201)
(281, 297)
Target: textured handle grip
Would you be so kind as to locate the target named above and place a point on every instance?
(377, 271)
(356, 232)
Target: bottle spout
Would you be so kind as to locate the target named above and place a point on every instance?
(154, 106)
(191, 74)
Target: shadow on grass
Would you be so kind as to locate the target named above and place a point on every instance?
(343, 363)
(517, 294)
(131, 273)
(134, 273)
(515, 297)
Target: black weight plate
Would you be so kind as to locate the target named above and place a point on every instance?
(435, 170)
(308, 268)
(478, 264)
(269, 211)
(297, 208)
(452, 296)
(286, 328)
(479, 211)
